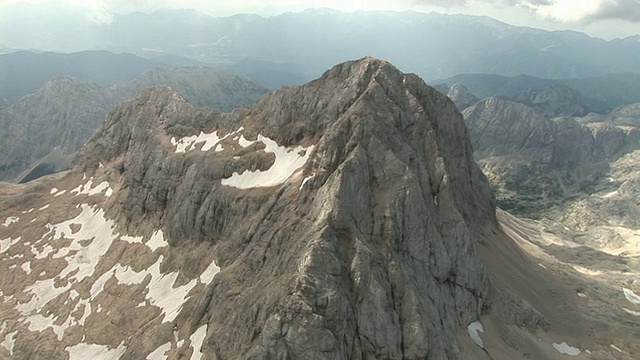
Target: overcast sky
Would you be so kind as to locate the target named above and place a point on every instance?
(602, 18)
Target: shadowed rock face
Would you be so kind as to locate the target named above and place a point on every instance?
(42, 131)
(366, 251)
(535, 162)
(461, 96)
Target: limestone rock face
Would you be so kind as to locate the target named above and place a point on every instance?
(367, 251)
(534, 161)
(343, 215)
(42, 131)
(461, 96)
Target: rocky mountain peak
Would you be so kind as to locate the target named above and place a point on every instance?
(461, 96)
(336, 220)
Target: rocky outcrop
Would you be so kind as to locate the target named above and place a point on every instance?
(461, 96)
(201, 86)
(366, 251)
(535, 162)
(42, 131)
(554, 100)
(344, 216)
(62, 115)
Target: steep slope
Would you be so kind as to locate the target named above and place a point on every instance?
(461, 96)
(202, 86)
(343, 219)
(42, 131)
(533, 161)
(62, 115)
(339, 231)
(601, 94)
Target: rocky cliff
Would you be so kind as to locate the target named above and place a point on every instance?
(340, 248)
(42, 131)
(342, 219)
(461, 96)
(343, 215)
(535, 162)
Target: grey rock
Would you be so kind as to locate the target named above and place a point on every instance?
(373, 258)
(534, 162)
(42, 131)
(461, 96)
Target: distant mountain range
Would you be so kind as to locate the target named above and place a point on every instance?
(434, 46)
(24, 72)
(600, 94)
(42, 131)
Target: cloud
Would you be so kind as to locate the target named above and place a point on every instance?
(562, 11)
(441, 3)
(584, 10)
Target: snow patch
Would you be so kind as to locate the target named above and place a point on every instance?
(9, 342)
(26, 267)
(631, 296)
(287, 161)
(157, 241)
(197, 338)
(305, 180)
(88, 245)
(10, 220)
(160, 353)
(95, 352)
(634, 313)
(615, 348)
(53, 191)
(473, 329)
(209, 273)
(60, 193)
(87, 189)
(5, 244)
(566, 349)
(44, 207)
(210, 141)
(131, 239)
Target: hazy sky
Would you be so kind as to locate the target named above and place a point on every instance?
(602, 18)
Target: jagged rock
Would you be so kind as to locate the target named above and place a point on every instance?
(70, 110)
(361, 245)
(535, 162)
(461, 96)
(340, 266)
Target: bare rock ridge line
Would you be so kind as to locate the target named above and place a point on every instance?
(362, 245)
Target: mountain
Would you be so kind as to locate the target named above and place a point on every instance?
(24, 72)
(461, 96)
(201, 86)
(435, 46)
(555, 100)
(535, 162)
(42, 131)
(59, 117)
(341, 219)
(600, 94)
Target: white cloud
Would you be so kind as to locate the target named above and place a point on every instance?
(570, 10)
